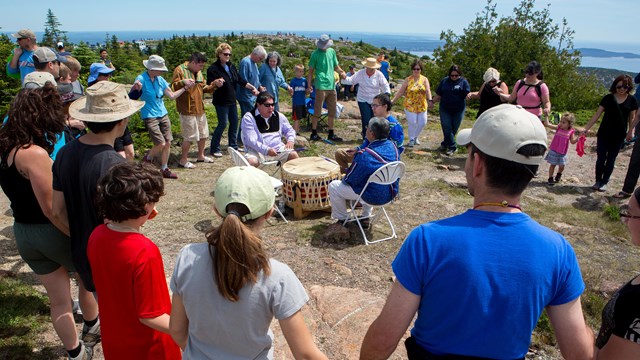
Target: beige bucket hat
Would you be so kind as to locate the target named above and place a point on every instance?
(371, 63)
(155, 62)
(105, 101)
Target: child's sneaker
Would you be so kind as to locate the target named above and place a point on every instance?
(558, 177)
(85, 354)
(550, 181)
(91, 335)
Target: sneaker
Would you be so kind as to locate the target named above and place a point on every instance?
(550, 182)
(451, 151)
(334, 138)
(167, 174)
(217, 154)
(85, 354)
(417, 141)
(603, 188)
(558, 177)
(442, 148)
(411, 143)
(315, 137)
(91, 335)
(596, 186)
(147, 159)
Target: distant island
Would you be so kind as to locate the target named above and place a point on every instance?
(599, 53)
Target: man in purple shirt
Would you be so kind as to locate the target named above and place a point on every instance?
(262, 131)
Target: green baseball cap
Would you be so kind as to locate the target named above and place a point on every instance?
(245, 185)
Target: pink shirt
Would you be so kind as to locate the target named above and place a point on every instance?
(528, 97)
(560, 142)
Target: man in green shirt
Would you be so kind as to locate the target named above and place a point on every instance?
(322, 64)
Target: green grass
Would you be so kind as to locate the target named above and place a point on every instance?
(23, 312)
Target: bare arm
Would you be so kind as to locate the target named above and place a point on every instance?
(60, 212)
(310, 80)
(400, 91)
(546, 104)
(619, 348)
(594, 118)
(176, 94)
(299, 339)
(504, 95)
(386, 331)
(574, 337)
(476, 94)
(160, 323)
(179, 323)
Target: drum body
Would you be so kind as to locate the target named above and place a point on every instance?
(311, 175)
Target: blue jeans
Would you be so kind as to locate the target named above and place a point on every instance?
(226, 113)
(366, 113)
(245, 106)
(450, 122)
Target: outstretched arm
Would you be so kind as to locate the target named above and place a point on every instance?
(574, 337)
(386, 331)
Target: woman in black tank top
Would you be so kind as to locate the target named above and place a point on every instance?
(26, 141)
(486, 94)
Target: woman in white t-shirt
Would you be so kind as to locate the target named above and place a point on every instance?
(227, 291)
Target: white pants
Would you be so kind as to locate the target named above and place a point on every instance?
(339, 193)
(415, 122)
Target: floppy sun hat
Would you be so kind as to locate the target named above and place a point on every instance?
(105, 101)
(155, 62)
(502, 130)
(371, 63)
(324, 42)
(245, 185)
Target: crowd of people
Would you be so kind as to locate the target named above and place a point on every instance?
(79, 206)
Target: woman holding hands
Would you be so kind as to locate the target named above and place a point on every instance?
(418, 99)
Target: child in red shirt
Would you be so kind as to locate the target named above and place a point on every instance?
(127, 267)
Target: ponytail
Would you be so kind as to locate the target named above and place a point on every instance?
(237, 255)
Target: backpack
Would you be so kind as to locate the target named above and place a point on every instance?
(538, 88)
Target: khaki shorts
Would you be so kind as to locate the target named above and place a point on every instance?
(281, 156)
(194, 127)
(330, 97)
(159, 129)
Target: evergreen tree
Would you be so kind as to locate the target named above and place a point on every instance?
(52, 31)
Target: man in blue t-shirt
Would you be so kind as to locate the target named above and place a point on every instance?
(22, 60)
(480, 280)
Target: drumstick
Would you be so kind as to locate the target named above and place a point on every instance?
(329, 159)
(328, 141)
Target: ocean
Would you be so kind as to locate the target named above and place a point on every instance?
(417, 44)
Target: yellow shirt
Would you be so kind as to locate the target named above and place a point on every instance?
(415, 97)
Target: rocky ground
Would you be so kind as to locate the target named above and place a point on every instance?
(348, 281)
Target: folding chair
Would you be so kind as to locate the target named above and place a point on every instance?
(322, 119)
(385, 175)
(240, 160)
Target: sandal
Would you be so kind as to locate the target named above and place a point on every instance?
(206, 159)
(622, 195)
(187, 165)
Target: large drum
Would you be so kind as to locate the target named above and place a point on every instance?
(311, 176)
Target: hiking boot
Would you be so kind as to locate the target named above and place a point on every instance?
(558, 177)
(550, 182)
(334, 138)
(85, 354)
(91, 335)
(315, 137)
(167, 174)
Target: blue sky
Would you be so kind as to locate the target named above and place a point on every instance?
(612, 24)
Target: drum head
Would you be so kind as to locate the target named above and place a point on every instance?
(309, 167)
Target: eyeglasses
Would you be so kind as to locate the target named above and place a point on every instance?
(417, 69)
(377, 105)
(622, 87)
(454, 75)
(226, 54)
(268, 104)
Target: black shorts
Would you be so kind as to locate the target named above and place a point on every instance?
(123, 140)
(299, 112)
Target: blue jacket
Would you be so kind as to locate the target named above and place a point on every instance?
(248, 70)
(365, 163)
(271, 79)
(396, 134)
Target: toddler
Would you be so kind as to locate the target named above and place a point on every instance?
(299, 86)
(559, 147)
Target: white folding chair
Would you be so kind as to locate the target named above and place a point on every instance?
(240, 160)
(385, 175)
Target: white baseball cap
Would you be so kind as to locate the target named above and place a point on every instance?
(502, 130)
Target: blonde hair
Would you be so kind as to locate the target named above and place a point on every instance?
(64, 72)
(222, 47)
(299, 67)
(73, 64)
(570, 117)
(491, 74)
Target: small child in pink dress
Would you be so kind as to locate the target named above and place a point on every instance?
(557, 155)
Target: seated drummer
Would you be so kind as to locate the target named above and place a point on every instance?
(366, 161)
(262, 131)
(381, 106)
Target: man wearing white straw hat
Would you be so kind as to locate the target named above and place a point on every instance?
(371, 83)
(81, 163)
(151, 87)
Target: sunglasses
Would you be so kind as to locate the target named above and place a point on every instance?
(269, 104)
(417, 69)
(226, 54)
(454, 75)
(622, 87)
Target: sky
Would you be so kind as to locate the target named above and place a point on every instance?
(608, 24)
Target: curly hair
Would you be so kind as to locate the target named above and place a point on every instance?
(222, 47)
(35, 117)
(126, 189)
